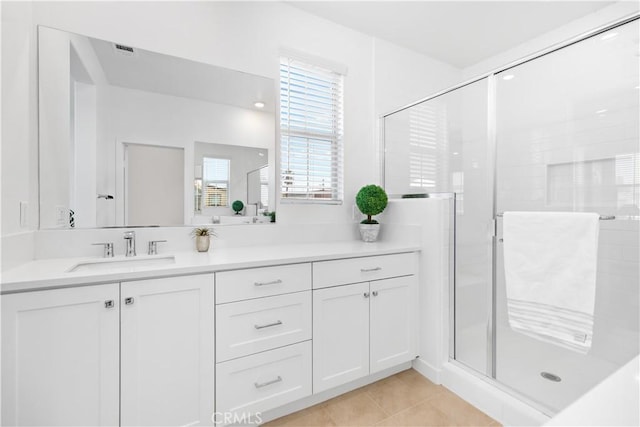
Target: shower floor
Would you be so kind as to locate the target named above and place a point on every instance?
(521, 359)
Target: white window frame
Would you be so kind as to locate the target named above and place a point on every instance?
(334, 74)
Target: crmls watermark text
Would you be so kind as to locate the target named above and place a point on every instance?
(242, 418)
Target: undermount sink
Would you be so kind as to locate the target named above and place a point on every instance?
(127, 264)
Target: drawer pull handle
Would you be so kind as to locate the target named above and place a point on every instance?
(367, 270)
(268, 325)
(260, 385)
(275, 282)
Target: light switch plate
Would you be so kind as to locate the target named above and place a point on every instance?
(62, 214)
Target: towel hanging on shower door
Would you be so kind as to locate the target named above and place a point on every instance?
(550, 263)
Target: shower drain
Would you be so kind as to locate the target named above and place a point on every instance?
(551, 377)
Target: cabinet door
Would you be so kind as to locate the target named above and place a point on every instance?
(167, 351)
(60, 357)
(393, 322)
(340, 335)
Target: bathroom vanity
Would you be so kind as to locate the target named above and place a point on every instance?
(139, 345)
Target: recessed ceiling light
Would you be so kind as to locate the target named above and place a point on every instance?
(508, 77)
(604, 110)
(258, 104)
(608, 36)
(455, 153)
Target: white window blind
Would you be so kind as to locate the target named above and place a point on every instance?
(215, 176)
(311, 130)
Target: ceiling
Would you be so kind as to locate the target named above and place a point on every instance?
(461, 33)
(169, 75)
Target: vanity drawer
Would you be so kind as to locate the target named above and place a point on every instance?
(364, 269)
(265, 380)
(251, 326)
(262, 282)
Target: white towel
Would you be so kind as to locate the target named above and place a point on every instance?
(550, 270)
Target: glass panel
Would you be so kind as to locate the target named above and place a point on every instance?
(440, 145)
(567, 140)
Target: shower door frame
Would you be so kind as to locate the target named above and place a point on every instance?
(490, 375)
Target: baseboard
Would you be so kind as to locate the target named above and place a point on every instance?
(427, 370)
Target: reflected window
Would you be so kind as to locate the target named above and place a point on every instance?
(264, 186)
(215, 177)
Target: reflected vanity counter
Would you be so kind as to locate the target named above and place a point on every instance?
(56, 272)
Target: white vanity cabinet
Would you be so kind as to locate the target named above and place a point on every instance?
(363, 328)
(263, 340)
(167, 356)
(60, 357)
(130, 353)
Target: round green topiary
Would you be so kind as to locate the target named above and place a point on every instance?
(237, 206)
(371, 200)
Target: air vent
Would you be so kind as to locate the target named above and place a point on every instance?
(124, 50)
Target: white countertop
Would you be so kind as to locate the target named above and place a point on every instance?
(54, 273)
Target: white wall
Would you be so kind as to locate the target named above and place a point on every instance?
(402, 77)
(19, 129)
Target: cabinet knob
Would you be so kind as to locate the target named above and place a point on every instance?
(375, 293)
(128, 300)
(366, 294)
(109, 303)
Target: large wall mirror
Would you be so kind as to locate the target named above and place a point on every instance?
(130, 137)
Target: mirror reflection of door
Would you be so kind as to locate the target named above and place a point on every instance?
(153, 180)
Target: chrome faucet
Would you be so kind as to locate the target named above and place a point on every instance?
(130, 243)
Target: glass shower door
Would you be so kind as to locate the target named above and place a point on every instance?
(441, 146)
(567, 140)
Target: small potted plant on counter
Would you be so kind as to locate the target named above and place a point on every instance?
(371, 200)
(237, 206)
(203, 238)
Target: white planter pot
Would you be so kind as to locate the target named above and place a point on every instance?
(369, 232)
(202, 243)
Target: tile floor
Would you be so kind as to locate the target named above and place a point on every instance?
(404, 399)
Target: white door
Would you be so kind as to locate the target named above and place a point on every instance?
(154, 185)
(167, 351)
(60, 357)
(393, 322)
(340, 335)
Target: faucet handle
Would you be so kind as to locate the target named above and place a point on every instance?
(108, 249)
(153, 246)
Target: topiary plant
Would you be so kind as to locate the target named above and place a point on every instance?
(237, 206)
(202, 231)
(371, 200)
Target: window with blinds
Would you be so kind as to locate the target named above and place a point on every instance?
(215, 177)
(311, 130)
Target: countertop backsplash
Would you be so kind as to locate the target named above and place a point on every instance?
(64, 243)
